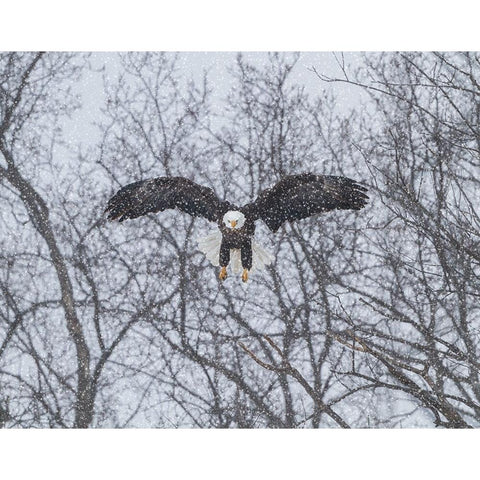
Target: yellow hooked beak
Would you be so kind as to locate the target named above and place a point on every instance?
(233, 223)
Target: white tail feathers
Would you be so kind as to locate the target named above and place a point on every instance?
(235, 260)
(210, 246)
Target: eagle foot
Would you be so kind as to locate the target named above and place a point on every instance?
(223, 273)
(245, 275)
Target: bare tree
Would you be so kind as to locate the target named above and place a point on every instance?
(25, 109)
(57, 332)
(421, 149)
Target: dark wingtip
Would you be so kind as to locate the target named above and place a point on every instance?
(111, 218)
(113, 212)
(362, 198)
(108, 213)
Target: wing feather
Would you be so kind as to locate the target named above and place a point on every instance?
(158, 194)
(299, 196)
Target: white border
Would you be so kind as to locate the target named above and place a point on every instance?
(239, 454)
(247, 25)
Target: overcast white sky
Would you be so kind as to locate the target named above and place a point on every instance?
(193, 64)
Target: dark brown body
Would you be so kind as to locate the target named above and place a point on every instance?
(241, 239)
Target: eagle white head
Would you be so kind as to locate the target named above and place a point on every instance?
(234, 219)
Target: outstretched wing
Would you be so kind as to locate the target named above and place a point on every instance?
(300, 196)
(158, 194)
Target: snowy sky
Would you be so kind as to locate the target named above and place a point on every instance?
(192, 65)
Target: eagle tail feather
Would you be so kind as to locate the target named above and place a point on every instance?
(235, 260)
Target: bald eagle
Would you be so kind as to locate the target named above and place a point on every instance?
(294, 197)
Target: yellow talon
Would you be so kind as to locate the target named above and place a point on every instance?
(245, 275)
(223, 273)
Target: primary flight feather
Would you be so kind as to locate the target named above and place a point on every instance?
(295, 197)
